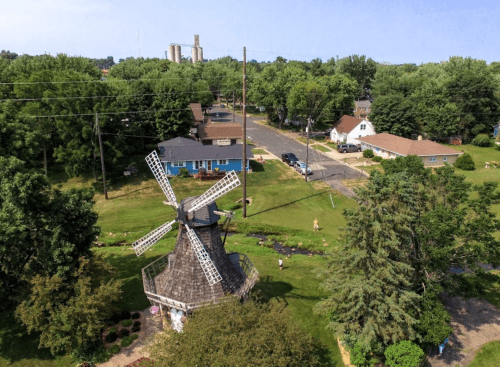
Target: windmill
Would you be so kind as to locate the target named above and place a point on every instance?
(198, 271)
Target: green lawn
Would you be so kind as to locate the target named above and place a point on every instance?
(321, 148)
(480, 156)
(312, 139)
(259, 151)
(488, 355)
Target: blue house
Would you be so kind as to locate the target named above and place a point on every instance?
(180, 153)
(496, 131)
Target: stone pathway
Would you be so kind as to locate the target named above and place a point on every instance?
(152, 325)
(475, 322)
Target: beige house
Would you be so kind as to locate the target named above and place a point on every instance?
(362, 108)
(391, 146)
(227, 133)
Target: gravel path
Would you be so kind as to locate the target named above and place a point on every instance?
(475, 322)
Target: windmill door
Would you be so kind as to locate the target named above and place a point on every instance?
(209, 165)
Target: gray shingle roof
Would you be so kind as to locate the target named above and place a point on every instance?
(172, 153)
(180, 142)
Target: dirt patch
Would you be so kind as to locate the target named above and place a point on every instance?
(475, 322)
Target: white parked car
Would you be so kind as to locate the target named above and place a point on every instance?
(301, 168)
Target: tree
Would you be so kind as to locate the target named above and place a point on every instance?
(433, 321)
(393, 114)
(71, 314)
(404, 354)
(465, 162)
(369, 276)
(42, 230)
(359, 68)
(235, 334)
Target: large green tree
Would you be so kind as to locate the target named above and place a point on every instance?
(236, 334)
(360, 68)
(42, 230)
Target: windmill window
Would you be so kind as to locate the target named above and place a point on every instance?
(178, 164)
(222, 162)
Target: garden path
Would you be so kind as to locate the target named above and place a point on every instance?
(475, 322)
(152, 325)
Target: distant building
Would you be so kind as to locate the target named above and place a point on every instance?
(390, 146)
(349, 129)
(220, 133)
(496, 130)
(363, 108)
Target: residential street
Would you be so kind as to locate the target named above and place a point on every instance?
(323, 167)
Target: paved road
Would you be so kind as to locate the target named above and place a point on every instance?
(323, 167)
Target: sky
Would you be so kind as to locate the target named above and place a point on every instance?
(417, 31)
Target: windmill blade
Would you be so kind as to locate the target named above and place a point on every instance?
(156, 167)
(229, 182)
(206, 263)
(140, 246)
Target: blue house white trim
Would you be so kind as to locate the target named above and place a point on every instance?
(185, 153)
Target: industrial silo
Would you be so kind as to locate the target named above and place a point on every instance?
(194, 55)
(178, 54)
(171, 53)
(200, 54)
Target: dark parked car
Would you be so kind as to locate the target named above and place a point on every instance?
(289, 158)
(348, 148)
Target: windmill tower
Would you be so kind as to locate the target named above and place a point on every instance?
(198, 271)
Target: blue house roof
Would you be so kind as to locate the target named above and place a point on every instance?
(198, 151)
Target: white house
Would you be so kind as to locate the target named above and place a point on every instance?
(348, 129)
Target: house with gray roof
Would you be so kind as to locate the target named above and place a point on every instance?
(186, 153)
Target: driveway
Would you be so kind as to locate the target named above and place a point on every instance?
(323, 167)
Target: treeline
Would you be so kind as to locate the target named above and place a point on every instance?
(460, 96)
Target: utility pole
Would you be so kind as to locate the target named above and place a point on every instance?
(244, 132)
(102, 158)
(307, 148)
(234, 107)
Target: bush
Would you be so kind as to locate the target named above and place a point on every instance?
(126, 323)
(360, 356)
(482, 140)
(111, 337)
(377, 158)
(112, 330)
(465, 162)
(183, 172)
(136, 315)
(368, 153)
(114, 349)
(404, 354)
(136, 328)
(128, 340)
(123, 333)
(90, 353)
(137, 323)
(124, 315)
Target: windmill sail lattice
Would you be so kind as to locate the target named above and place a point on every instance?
(140, 246)
(207, 265)
(157, 169)
(229, 182)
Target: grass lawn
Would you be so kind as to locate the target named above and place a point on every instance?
(488, 355)
(283, 204)
(259, 151)
(321, 148)
(312, 139)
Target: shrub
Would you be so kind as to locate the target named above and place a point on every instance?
(111, 337)
(404, 354)
(482, 140)
(183, 172)
(123, 333)
(126, 323)
(115, 319)
(137, 323)
(377, 158)
(128, 340)
(112, 330)
(368, 153)
(114, 349)
(135, 328)
(136, 315)
(465, 162)
(360, 356)
(124, 315)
